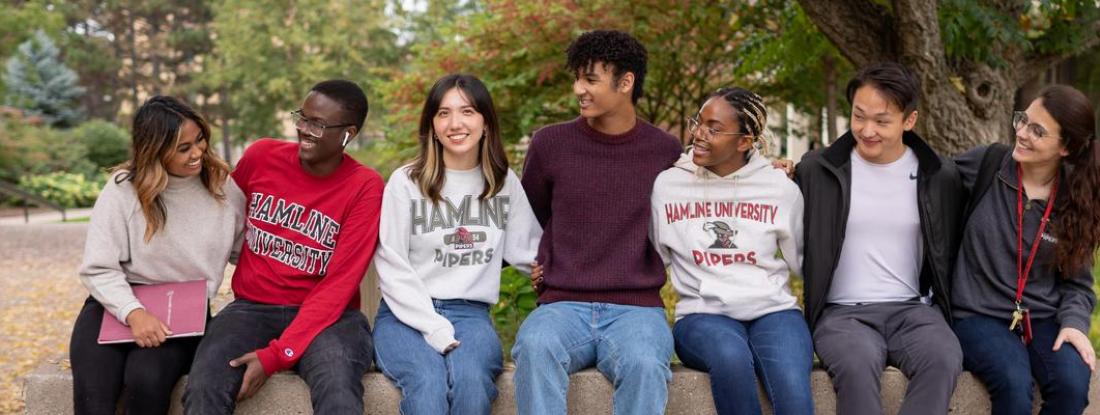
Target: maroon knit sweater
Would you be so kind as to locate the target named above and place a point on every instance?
(590, 191)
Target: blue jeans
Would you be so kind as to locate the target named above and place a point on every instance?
(1000, 360)
(463, 381)
(332, 366)
(630, 345)
(775, 347)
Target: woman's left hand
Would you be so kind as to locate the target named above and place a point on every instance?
(1080, 342)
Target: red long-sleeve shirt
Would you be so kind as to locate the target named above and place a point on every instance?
(308, 241)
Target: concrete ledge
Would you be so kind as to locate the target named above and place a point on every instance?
(48, 390)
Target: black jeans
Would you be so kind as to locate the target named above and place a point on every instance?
(101, 371)
(332, 366)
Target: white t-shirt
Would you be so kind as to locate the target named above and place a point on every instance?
(882, 253)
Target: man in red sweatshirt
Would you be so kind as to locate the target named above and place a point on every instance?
(311, 231)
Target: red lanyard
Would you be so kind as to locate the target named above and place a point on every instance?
(1022, 271)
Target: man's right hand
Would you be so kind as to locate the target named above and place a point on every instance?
(147, 329)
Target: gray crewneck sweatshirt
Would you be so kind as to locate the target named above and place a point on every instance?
(195, 243)
(985, 273)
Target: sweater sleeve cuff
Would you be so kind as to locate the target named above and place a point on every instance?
(269, 360)
(125, 311)
(1076, 323)
(441, 338)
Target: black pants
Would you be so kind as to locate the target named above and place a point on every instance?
(101, 371)
(333, 366)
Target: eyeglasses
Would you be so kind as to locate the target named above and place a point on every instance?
(698, 130)
(312, 127)
(1034, 131)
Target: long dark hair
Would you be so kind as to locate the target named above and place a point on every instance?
(1077, 225)
(156, 131)
(428, 170)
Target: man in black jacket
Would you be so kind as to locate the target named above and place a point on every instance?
(881, 231)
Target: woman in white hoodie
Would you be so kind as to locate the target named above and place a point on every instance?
(730, 227)
(441, 240)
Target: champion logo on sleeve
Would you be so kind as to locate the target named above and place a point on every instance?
(288, 352)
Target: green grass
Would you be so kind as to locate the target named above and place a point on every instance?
(81, 219)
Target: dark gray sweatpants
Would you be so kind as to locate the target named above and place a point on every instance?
(855, 343)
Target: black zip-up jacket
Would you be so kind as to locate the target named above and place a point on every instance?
(825, 178)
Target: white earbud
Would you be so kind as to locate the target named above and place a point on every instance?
(347, 135)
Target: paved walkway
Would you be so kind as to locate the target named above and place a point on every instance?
(37, 216)
(40, 300)
(40, 296)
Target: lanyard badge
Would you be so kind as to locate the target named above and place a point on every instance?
(1021, 316)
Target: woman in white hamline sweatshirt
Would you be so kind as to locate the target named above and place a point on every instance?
(730, 227)
(448, 219)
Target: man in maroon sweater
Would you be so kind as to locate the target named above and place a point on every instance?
(589, 182)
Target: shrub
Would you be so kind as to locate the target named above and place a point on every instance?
(107, 144)
(27, 149)
(517, 300)
(66, 189)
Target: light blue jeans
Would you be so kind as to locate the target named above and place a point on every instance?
(630, 345)
(461, 382)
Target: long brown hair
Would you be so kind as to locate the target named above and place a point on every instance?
(1077, 225)
(156, 132)
(427, 169)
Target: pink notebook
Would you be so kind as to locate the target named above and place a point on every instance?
(180, 305)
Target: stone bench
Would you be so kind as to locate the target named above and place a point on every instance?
(48, 390)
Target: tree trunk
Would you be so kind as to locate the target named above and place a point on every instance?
(227, 141)
(134, 65)
(963, 104)
(829, 65)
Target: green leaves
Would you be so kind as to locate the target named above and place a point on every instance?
(268, 53)
(517, 300)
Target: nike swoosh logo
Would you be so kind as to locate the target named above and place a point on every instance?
(912, 176)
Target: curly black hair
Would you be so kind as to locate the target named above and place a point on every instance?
(618, 49)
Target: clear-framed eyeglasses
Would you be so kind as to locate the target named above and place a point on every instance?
(698, 130)
(1033, 130)
(311, 127)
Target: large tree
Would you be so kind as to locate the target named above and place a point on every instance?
(971, 56)
(268, 53)
(518, 49)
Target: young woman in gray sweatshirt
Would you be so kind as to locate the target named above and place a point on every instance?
(169, 214)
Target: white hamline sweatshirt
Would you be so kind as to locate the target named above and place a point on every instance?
(452, 250)
(721, 236)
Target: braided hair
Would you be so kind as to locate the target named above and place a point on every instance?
(749, 108)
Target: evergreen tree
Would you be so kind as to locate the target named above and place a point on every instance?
(40, 83)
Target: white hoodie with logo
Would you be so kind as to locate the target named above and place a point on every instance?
(731, 241)
(450, 250)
